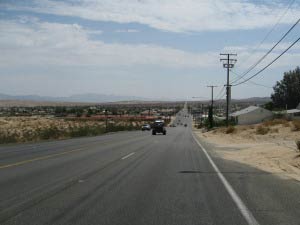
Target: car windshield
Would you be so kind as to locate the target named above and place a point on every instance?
(149, 112)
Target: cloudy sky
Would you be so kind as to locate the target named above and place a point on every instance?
(161, 49)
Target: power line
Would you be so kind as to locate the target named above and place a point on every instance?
(265, 55)
(270, 31)
(220, 92)
(274, 60)
(252, 82)
(221, 97)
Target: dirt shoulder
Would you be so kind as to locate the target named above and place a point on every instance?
(274, 151)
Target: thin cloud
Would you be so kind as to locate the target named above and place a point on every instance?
(170, 15)
(43, 43)
(37, 43)
(127, 31)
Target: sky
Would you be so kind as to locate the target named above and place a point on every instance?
(157, 49)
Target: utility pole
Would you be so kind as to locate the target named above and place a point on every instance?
(106, 121)
(212, 104)
(228, 64)
(212, 94)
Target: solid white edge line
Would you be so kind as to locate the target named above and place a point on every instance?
(238, 201)
(126, 156)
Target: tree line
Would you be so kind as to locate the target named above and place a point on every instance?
(286, 93)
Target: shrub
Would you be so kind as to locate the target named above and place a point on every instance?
(261, 130)
(296, 125)
(275, 122)
(86, 131)
(50, 133)
(4, 139)
(198, 126)
(274, 130)
(77, 127)
(251, 127)
(230, 129)
(298, 145)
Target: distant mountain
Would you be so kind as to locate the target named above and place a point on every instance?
(102, 98)
(254, 100)
(90, 97)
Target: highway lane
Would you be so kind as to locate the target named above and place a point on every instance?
(136, 178)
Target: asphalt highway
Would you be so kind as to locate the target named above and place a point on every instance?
(135, 178)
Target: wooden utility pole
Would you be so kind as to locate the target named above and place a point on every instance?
(212, 94)
(212, 104)
(228, 64)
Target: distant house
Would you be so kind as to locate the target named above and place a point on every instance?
(293, 114)
(252, 115)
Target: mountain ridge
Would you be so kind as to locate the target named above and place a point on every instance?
(84, 98)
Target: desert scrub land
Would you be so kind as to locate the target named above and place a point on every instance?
(272, 146)
(35, 128)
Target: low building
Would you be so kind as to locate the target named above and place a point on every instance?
(293, 114)
(252, 115)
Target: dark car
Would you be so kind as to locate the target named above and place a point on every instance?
(146, 127)
(159, 127)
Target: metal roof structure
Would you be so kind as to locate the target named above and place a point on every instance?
(245, 111)
(292, 111)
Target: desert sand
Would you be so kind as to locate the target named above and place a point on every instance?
(275, 152)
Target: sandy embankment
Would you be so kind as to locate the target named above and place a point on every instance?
(274, 152)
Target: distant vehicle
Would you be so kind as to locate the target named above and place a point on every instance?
(146, 127)
(159, 127)
(172, 125)
(185, 125)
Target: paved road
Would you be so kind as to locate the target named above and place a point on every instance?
(136, 178)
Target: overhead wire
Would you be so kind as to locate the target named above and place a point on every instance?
(252, 82)
(220, 92)
(220, 95)
(266, 54)
(270, 31)
(269, 64)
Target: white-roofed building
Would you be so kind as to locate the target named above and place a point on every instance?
(252, 115)
(293, 114)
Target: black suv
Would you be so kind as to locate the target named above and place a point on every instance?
(159, 127)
